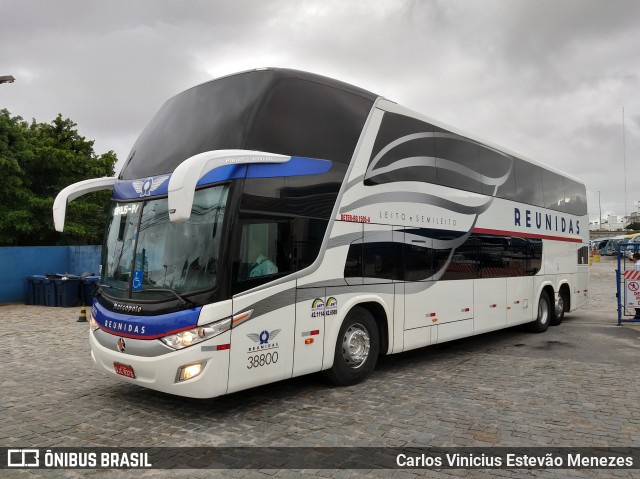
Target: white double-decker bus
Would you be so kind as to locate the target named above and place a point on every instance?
(275, 223)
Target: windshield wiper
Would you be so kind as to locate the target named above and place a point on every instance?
(183, 300)
(108, 286)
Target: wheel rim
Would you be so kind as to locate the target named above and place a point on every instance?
(355, 345)
(543, 311)
(559, 306)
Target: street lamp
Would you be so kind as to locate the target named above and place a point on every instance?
(6, 79)
(600, 218)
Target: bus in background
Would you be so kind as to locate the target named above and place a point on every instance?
(275, 223)
(609, 246)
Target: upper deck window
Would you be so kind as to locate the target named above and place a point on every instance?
(277, 111)
(408, 149)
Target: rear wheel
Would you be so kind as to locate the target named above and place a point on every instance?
(541, 323)
(356, 349)
(558, 311)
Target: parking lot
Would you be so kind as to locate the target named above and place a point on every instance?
(578, 384)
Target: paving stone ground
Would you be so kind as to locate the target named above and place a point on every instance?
(578, 384)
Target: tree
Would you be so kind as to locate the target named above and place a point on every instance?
(633, 226)
(37, 161)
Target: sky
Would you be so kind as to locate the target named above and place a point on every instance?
(547, 79)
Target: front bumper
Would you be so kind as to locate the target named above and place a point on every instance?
(159, 372)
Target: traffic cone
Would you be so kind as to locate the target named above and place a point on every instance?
(83, 315)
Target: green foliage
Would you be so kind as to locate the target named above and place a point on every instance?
(633, 227)
(38, 160)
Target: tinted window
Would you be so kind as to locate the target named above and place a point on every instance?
(518, 256)
(382, 260)
(404, 150)
(407, 149)
(535, 263)
(312, 195)
(464, 261)
(211, 116)
(576, 197)
(457, 162)
(278, 111)
(417, 260)
(308, 119)
(265, 251)
(583, 255)
(308, 237)
(309, 196)
(529, 183)
(491, 256)
(353, 265)
(442, 257)
(494, 166)
(485, 256)
(553, 190)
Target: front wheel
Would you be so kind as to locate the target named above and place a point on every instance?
(541, 323)
(356, 349)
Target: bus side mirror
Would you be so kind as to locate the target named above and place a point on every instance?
(74, 191)
(185, 177)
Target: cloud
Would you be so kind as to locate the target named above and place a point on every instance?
(546, 78)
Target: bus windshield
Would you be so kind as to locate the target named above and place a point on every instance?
(144, 252)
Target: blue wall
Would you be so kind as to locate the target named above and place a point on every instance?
(18, 262)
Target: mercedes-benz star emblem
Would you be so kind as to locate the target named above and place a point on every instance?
(121, 345)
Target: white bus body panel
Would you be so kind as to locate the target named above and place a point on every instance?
(490, 304)
(262, 347)
(519, 300)
(419, 337)
(580, 294)
(312, 313)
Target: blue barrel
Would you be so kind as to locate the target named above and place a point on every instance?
(49, 289)
(89, 286)
(31, 293)
(67, 291)
(36, 290)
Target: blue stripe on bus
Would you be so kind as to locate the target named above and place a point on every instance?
(296, 166)
(144, 327)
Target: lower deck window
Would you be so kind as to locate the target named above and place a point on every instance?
(480, 256)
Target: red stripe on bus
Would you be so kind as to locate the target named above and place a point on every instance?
(525, 235)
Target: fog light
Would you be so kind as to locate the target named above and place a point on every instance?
(190, 371)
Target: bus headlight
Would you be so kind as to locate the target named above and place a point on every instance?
(196, 335)
(93, 324)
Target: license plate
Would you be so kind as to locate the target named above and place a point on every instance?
(124, 370)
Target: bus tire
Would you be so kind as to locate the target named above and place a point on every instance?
(541, 323)
(356, 350)
(557, 311)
